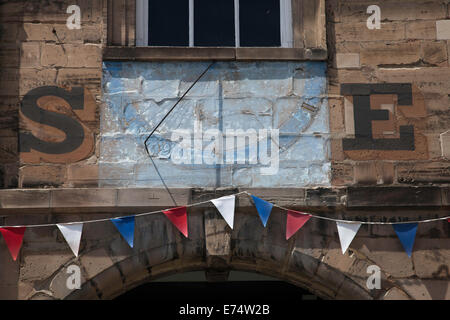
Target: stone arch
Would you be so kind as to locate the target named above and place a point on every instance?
(311, 259)
(108, 285)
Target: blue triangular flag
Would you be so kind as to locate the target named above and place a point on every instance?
(126, 228)
(406, 232)
(264, 209)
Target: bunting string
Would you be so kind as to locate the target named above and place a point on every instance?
(237, 194)
(347, 229)
(368, 222)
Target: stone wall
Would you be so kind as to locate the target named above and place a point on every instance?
(388, 110)
(312, 258)
(409, 52)
(40, 53)
(411, 48)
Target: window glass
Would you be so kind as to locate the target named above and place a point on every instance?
(259, 23)
(214, 23)
(168, 23)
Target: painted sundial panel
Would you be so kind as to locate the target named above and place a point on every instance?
(244, 124)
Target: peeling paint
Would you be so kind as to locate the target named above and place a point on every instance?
(288, 96)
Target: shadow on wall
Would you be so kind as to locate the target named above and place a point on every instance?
(11, 36)
(11, 28)
(226, 71)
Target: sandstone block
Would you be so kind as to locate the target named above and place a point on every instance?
(42, 175)
(396, 294)
(30, 55)
(53, 56)
(348, 60)
(443, 29)
(421, 29)
(435, 53)
(365, 173)
(96, 261)
(445, 144)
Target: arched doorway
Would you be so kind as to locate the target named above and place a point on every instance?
(239, 287)
(311, 260)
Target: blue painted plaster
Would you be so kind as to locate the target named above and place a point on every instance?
(288, 96)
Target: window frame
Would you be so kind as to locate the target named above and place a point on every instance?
(286, 27)
(122, 44)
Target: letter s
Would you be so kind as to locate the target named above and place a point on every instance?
(72, 128)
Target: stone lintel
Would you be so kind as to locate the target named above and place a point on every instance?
(139, 200)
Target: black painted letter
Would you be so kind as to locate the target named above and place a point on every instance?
(72, 128)
(364, 115)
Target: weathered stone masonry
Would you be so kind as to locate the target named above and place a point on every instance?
(387, 84)
(410, 48)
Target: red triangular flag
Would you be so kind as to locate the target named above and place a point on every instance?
(13, 238)
(178, 216)
(295, 220)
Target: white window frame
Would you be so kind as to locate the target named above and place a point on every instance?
(287, 39)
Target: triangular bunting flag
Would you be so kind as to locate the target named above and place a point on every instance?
(225, 205)
(264, 209)
(13, 238)
(72, 234)
(178, 216)
(406, 232)
(347, 232)
(126, 228)
(295, 220)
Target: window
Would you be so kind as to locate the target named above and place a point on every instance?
(226, 30)
(218, 23)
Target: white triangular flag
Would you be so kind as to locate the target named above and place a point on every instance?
(72, 234)
(347, 232)
(225, 205)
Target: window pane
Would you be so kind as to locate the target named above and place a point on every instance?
(168, 23)
(260, 23)
(214, 23)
